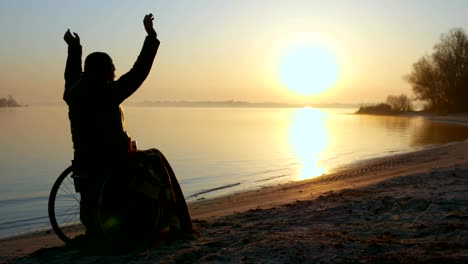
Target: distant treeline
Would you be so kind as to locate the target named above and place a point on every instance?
(232, 103)
(9, 102)
(440, 79)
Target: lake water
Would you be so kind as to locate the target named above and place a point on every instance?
(214, 151)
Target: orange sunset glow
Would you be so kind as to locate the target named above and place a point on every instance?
(260, 51)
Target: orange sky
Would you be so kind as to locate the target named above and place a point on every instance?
(223, 50)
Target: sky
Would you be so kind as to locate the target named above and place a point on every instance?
(217, 50)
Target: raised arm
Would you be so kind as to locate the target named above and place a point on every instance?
(132, 80)
(73, 67)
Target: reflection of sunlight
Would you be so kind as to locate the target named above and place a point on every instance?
(308, 138)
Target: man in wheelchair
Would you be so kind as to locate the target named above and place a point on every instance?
(106, 167)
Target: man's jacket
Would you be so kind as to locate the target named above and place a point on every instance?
(96, 116)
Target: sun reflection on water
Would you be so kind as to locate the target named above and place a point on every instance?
(308, 138)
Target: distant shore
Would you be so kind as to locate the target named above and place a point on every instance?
(459, 119)
(410, 207)
(9, 102)
(232, 103)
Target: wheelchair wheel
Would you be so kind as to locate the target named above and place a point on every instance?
(117, 213)
(64, 207)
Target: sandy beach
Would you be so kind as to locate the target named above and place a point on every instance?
(405, 208)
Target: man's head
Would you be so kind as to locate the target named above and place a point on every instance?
(99, 66)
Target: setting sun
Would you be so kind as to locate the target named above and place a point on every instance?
(308, 70)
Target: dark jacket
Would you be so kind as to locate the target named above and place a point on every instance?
(96, 116)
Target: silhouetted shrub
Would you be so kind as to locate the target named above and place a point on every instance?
(400, 103)
(379, 109)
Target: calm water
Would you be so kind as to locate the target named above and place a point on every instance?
(209, 148)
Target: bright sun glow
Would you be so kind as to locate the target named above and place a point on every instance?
(309, 69)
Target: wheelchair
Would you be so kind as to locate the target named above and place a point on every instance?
(64, 210)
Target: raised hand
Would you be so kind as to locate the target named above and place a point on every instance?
(70, 39)
(148, 22)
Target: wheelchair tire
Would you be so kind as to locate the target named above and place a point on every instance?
(64, 212)
(64, 208)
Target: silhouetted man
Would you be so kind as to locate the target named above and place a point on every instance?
(94, 98)
(101, 144)
(102, 147)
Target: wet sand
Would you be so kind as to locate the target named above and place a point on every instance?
(405, 208)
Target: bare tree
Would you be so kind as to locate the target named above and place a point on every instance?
(427, 84)
(441, 78)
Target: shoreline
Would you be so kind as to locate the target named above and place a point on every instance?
(217, 190)
(449, 158)
(358, 174)
(445, 157)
